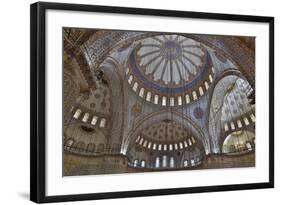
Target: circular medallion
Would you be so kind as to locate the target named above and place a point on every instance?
(198, 113)
(170, 50)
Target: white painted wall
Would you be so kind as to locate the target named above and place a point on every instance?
(14, 85)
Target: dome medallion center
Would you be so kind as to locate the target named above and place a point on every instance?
(171, 50)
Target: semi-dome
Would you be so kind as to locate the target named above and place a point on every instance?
(239, 141)
(165, 135)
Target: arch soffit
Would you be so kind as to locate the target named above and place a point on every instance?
(229, 72)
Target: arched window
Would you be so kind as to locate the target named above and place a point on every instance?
(181, 145)
(149, 145)
(232, 125)
(135, 87)
(138, 138)
(157, 162)
(252, 116)
(194, 94)
(71, 109)
(239, 123)
(156, 99)
(130, 79)
(192, 162)
(145, 143)
(142, 163)
(246, 121)
(164, 101)
(187, 99)
(172, 162)
(85, 118)
(171, 147)
(206, 85)
(249, 146)
(141, 93)
(179, 100)
(225, 127)
(164, 161)
(185, 163)
(135, 163)
(201, 92)
(148, 96)
(172, 101)
(69, 143)
(103, 122)
(211, 78)
(141, 141)
(94, 120)
(127, 70)
(77, 113)
(193, 139)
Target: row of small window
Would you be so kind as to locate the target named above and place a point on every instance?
(136, 163)
(150, 145)
(232, 125)
(165, 162)
(80, 146)
(241, 147)
(85, 118)
(157, 163)
(192, 162)
(171, 100)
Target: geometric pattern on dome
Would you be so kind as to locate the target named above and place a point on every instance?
(170, 59)
(169, 70)
(165, 136)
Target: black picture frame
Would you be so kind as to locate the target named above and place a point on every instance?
(38, 101)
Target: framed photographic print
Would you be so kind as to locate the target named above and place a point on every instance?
(129, 102)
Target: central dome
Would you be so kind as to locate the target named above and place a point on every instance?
(172, 65)
(170, 59)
